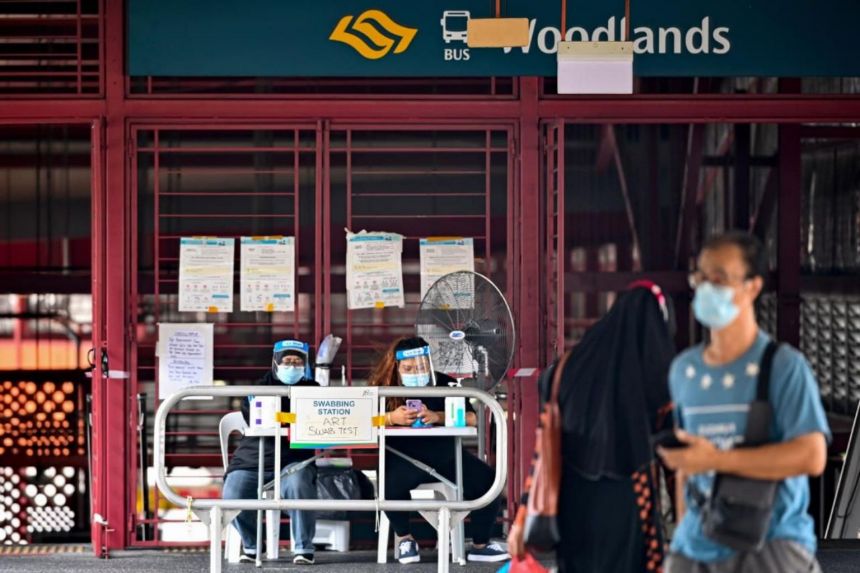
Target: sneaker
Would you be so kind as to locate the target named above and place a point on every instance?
(246, 557)
(491, 552)
(408, 551)
(304, 559)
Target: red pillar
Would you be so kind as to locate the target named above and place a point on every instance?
(530, 314)
(111, 420)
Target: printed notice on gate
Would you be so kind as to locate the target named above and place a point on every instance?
(444, 255)
(374, 270)
(268, 274)
(184, 357)
(206, 274)
(333, 417)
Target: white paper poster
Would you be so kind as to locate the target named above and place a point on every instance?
(268, 274)
(184, 357)
(206, 274)
(329, 417)
(444, 255)
(374, 270)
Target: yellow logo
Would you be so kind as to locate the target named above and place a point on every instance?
(377, 44)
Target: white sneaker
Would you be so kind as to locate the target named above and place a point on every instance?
(490, 553)
(407, 551)
(304, 559)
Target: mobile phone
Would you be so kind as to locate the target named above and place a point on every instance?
(668, 440)
(417, 406)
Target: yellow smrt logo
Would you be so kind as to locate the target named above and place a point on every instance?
(396, 37)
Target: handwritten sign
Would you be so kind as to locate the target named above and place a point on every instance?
(333, 417)
(184, 357)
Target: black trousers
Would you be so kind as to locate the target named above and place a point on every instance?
(401, 477)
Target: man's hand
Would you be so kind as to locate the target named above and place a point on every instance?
(429, 417)
(698, 457)
(803, 455)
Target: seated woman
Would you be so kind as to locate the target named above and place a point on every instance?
(400, 367)
(290, 366)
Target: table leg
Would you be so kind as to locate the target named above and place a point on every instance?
(459, 531)
(381, 556)
(444, 531)
(273, 552)
(261, 462)
(215, 526)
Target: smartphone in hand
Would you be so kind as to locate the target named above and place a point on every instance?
(417, 406)
(667, 439)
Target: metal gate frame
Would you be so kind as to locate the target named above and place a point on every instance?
(322, 273)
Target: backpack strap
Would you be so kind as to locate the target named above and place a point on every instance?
(761, 412)
(557, 375)
(765, 367)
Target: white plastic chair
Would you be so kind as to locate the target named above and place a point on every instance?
(232, 422)
(235, 422)
(432, 490)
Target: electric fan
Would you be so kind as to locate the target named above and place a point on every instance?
(469, 326)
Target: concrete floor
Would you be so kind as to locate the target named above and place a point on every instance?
(832, 561)
(168, 562)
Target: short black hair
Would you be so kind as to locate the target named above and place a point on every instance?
(751, 249)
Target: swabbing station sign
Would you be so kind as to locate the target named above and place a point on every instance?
(428, 37)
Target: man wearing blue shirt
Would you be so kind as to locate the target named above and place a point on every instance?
(712, 386)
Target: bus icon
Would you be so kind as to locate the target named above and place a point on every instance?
(454, 25)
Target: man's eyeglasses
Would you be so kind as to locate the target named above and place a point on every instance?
(293, 362)
(697, 278)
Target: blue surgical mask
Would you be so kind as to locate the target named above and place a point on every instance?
(290, 374)
(415, 379)
(713, 306)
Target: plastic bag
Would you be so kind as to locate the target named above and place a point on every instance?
(340, 483)
(526, 564)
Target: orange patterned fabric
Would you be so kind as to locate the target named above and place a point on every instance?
(645, 486)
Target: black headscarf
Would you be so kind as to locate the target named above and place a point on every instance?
(614, 386)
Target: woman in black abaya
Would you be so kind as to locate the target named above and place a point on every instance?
(613, 396)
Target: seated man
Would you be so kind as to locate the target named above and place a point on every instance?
(290, 365)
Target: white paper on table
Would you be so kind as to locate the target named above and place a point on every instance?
(268, 274)
(185, 356)
(442, 256)
(206, 274)
(374, 270)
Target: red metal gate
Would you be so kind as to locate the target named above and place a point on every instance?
(311, 182)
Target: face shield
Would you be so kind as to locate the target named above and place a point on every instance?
(415, 367)
(290, 361)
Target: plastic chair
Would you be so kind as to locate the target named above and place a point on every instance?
(232, 422)
(432, 490)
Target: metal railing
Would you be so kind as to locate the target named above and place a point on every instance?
(220, 510)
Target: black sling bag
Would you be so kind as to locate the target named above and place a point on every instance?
(739, 511)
